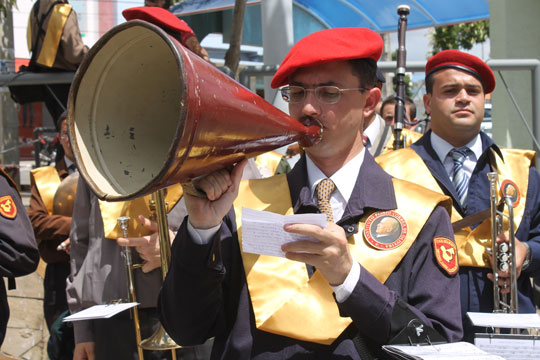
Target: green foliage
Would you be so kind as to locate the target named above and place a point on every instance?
(408, 84)
(6, 4)
(459, 36)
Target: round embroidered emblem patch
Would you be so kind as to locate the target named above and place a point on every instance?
(385, 230)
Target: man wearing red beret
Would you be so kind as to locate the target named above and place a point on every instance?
(454, 159)
(348, 291)
(169, 22)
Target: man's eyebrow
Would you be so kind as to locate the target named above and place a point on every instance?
(468, 85)
(304, 85)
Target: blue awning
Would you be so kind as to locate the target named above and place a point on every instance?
(379, 15)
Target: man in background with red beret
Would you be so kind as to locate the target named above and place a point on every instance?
(454, 159)
(169, 22)
(343, 294)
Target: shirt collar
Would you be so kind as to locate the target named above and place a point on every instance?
(68, 162)
(342, 179)
(442, 147)
(373, 129)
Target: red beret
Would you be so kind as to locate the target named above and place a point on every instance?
(159, 17)
(328, 46)
(462, 61)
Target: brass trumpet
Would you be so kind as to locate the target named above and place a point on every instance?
(160, 340)
(123, 222)
(504, 254)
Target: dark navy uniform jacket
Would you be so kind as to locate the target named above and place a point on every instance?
(204, 296)
(476, 288)
(18, 248)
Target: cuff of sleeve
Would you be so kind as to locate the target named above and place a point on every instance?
(202, 236)
(344, 290)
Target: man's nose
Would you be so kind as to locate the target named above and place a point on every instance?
(311, 105)
(463, 96)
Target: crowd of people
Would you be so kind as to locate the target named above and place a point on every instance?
(389, 267)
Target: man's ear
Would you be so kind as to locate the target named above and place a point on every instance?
(372, 100)
(427, 103)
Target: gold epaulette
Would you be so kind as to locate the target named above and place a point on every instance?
(410, 138)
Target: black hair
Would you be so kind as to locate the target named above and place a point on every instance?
(365, 70)
(429, 83)
(408, 101)
(61, 117)
(429, 78)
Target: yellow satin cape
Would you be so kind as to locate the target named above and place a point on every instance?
(47, 182)
(472, 244)
(268, 161)
(285, 300)
(55, 28)
(410, 138)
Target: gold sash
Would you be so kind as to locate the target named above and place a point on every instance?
(472, 244)
(111, 211)
(47, 182)
(288, 303)
(269, 161)
(410, 138)
(55, 28)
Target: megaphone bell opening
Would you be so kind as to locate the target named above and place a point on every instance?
(128, 106)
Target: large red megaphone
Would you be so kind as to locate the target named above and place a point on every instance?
(145, 113)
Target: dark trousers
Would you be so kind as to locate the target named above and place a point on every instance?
(54, 288)
(115, 339)
(56, 100)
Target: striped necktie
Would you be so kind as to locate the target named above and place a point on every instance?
(324, 190)
(460, 178)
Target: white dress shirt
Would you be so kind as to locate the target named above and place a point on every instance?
(70, 169)
(338, 201)
(344, 181)
(442, 148)
(372, 131)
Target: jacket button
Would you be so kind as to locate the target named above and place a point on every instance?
(350, 229)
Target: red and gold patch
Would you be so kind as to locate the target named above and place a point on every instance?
(8, 209)
(385, 230)
(446, 254)
(508, 187)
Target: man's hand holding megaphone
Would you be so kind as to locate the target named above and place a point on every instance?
(221, 189)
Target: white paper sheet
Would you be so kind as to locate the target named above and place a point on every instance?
(100, 311)
(459, 350)
(262, 231)
(513, 321)
(510, 347)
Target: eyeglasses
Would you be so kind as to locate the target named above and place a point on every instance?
(325, 94)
